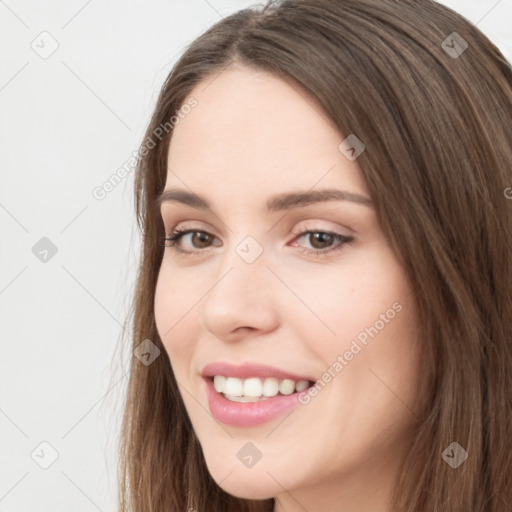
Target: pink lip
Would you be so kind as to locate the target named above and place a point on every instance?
(246, 370)
(249, 414)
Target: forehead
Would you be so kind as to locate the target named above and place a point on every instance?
(251, 128)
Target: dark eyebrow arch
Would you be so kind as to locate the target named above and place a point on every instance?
(274, 204)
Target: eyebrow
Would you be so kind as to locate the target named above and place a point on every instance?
(276, 203)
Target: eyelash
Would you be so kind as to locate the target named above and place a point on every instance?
(343, 240)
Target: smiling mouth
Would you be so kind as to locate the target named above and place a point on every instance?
(256, 389)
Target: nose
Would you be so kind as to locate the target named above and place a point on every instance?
(241, 301)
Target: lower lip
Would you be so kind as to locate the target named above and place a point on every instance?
(248, 414)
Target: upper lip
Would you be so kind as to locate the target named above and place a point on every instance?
(246, 370)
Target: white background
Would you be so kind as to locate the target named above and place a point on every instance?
(67, 123)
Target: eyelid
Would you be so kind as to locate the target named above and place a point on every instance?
(317, 225)
(195, 225)
(298, 229)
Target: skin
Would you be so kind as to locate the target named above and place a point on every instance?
(251, 136)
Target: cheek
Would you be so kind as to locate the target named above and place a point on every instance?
(365, 314)
(174, 310)
(164, 304)
(345, 300)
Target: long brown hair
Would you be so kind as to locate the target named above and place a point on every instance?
(434, 110)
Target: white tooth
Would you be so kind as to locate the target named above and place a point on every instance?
(270, 387)
(287, 386)
(252, 387)
(219, 382)
(233, 386)
(301, 385)
(244, 398)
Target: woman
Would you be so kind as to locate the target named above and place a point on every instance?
(325, 287)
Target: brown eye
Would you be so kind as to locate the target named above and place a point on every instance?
(322, 243)
(320, 240)
(193, 240)
(200, 239)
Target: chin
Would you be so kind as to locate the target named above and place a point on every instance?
(242, 488)
(247, 484)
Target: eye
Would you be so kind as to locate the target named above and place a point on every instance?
(321, 242)
(199, 239)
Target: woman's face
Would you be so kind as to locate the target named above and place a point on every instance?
(331, 305)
